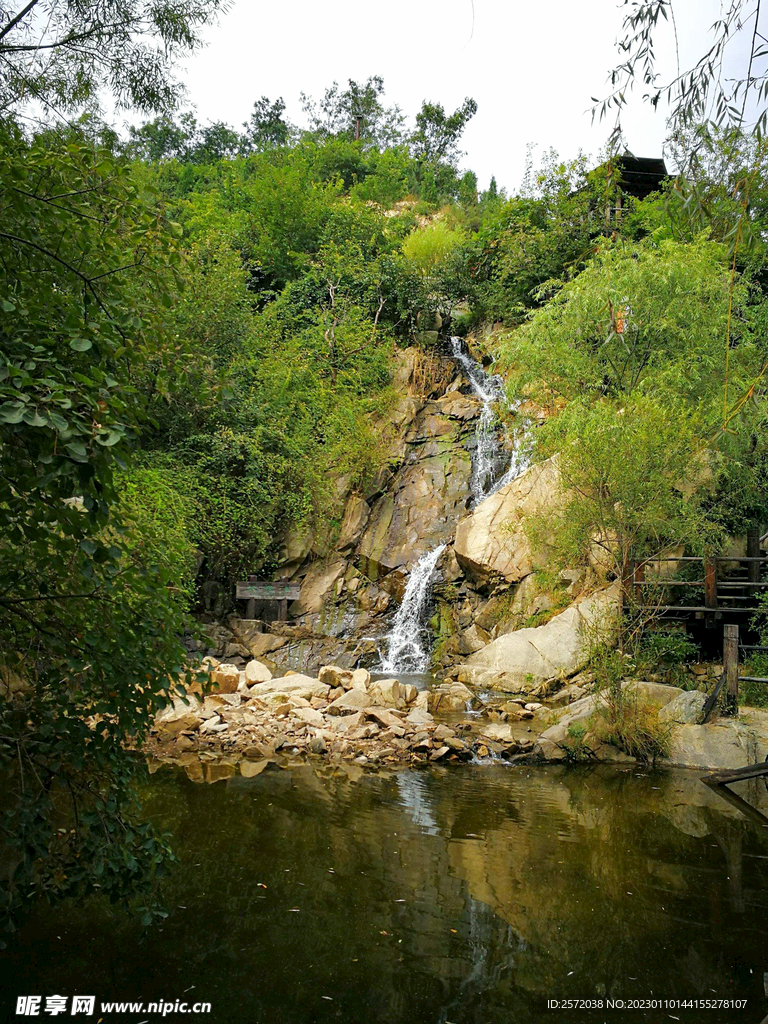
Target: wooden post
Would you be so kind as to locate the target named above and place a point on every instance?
(753, 551)
(282, 612)
(731, 668)
(250, 607)
(710, 587)
(639, 576)
(627, 585)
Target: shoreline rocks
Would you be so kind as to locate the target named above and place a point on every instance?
(343, 715)
(346, 718)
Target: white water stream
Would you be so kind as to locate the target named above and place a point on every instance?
(490, 453)
(407, 648)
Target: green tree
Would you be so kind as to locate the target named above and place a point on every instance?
(89, 264)
(64, 54)
(355, 113)
(88, 267)
(163, 138)
(266, 127)
(700, 91)
(437, 133)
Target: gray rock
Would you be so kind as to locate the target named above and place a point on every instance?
(419, 717)
(181, 716)
(318, 745)
(334, 675)
(567, 695)
(386, 692)
(548, 750)
(356, 516)
(685, 709)
(214, 724)
(309, 716)
(289, 686)
(724, 743)
(501, 732)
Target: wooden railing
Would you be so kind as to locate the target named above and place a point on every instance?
(720, 592)
(730, 677)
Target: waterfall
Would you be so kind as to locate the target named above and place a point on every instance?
(518, 457)
(489, 453)
(406, 651)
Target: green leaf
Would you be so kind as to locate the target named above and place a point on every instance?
(57, 421)
(80, 344)
(77, 451)
(11, 413)
(112, 438)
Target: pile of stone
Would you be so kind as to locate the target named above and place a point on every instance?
(340, 715)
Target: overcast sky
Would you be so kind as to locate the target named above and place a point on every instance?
(531, 66)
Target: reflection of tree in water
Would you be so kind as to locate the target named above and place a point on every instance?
(465, 895)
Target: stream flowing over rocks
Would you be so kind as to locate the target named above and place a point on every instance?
(394, 584)
(433, 580)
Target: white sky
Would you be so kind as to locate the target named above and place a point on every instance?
(532, 67)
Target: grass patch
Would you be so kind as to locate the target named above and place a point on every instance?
(755, 695)
(575, 745)
(633, 726)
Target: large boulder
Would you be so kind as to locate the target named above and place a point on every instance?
(492, 542)
(317, 586)
(447, 697)
(686, 709)
(519, 662)
(552, 742)
(183, 715)
(334, 676)
(225, 679)
(356, 516)
(387, 693)
(350, 702)
(290, 686)
(724, 743)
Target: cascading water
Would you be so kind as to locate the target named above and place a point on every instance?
(489, 390)
(518, 457)
(490, 455)
(406, 648)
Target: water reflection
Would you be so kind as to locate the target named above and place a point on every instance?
(456, 895)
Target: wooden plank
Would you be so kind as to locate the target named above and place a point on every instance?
(724, 778)
(731, 667)
(739, 559)
(747, 809)
(639, 578)
(712, 699)
(700, 608)
(264, 590)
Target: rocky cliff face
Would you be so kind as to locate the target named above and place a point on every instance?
(485, 585)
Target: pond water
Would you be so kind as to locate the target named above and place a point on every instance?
(462, 895)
